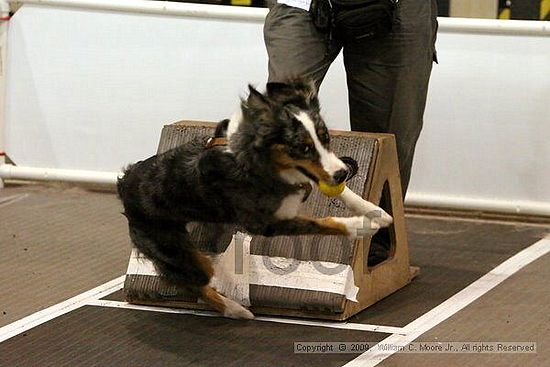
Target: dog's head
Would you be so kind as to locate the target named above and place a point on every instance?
(283, 129)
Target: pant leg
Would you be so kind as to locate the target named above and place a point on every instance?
(295, 47)
(388, 79)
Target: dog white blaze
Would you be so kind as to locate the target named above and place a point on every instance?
(290, 206)
(234, 123)
(330, 162)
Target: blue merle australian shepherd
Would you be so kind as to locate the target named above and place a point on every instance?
(253, 174)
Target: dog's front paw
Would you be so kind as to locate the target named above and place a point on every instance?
(376, 214)
(380, 217)
(363, 207)
(359, 226)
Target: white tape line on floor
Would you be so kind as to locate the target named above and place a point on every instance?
(326, 324)
(437, 315)
(7, 200)
(59, 309)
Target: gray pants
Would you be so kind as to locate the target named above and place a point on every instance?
(387, 78)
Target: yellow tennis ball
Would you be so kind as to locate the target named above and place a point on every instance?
(331, 190)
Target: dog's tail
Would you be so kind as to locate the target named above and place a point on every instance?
(121, 181)
(182, 264)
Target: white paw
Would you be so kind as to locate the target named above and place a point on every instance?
(234, 310)
(375, 213)
(363, 207)
(359, 226)
(380, 217)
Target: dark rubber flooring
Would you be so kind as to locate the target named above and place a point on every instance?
(99, 336)
(451, 254)
(516, 310)
(55, 243)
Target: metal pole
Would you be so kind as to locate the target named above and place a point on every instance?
(4, 17)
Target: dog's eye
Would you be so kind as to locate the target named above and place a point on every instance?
(324, 138)
(306, 148)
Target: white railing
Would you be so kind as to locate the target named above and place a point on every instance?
(494, 26)
(8, 171)
(4, 16)
(468, 25)
(159, 7)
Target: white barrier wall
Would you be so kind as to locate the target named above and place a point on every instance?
(487, 125)
(91, 89)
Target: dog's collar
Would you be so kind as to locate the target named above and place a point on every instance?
(215, 142)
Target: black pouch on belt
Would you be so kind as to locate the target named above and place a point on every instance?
(363, 19)
(321, 15)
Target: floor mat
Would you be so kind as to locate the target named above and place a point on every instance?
(56, 242)
(99, 336)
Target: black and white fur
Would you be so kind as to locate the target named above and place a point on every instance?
(277, 141)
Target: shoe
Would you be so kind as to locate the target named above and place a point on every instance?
(380, 247)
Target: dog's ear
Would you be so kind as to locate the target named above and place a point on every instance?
(221, 128)
(256, 100)
(309, 88)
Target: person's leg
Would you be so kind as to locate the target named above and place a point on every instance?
(388, 84)
(388, 79)
(295, 47)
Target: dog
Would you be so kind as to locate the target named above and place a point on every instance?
(254, 173)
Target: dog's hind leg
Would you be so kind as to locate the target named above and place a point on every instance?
(223, 305)
(180, 263)
(170, 250)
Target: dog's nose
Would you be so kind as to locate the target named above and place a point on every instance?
(340, 176)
